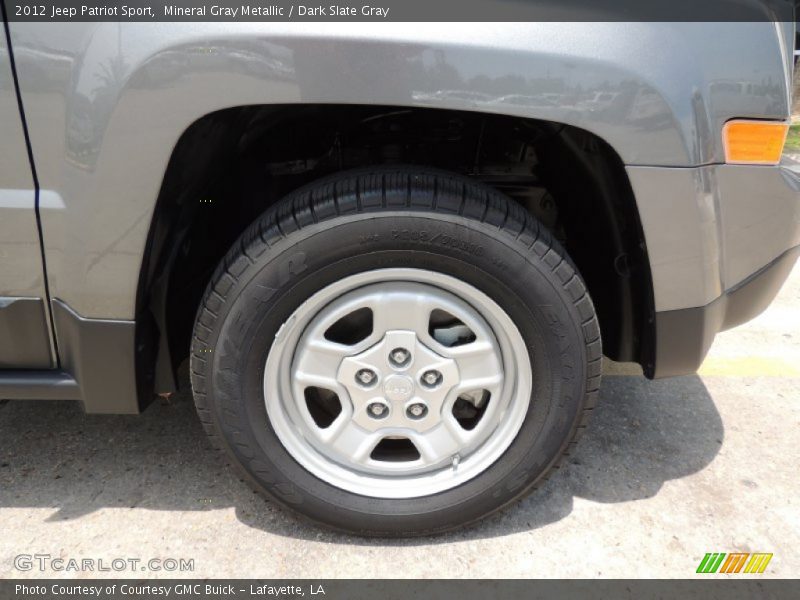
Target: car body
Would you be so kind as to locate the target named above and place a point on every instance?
(107, 127)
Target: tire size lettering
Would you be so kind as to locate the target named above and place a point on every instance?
(294, 265)
(442, 239)
(411, 235)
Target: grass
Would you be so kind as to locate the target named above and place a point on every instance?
(793, 139)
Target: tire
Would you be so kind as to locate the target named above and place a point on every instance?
(387, 237)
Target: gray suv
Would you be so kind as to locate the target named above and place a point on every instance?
(393, 255)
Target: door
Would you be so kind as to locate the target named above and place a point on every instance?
(24, 330)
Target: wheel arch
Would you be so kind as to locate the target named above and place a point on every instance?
(208, 197)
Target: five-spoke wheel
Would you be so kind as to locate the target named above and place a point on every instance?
(398, 383)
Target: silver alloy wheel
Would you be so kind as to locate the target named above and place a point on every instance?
(395, 393)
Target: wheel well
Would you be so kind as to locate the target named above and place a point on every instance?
(230, 165)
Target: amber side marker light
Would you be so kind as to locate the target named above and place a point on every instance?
(754, 142)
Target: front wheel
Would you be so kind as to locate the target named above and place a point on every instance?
(395, 352)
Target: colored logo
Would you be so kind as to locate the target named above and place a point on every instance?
(735, 562)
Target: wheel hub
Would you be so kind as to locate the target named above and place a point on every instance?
(400, 383)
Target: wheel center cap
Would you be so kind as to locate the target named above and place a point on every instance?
(398, 388)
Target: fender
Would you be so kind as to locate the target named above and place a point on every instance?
(106, 103)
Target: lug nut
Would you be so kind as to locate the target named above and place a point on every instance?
(416, 411)
(431, 378)
(366, 377)
(399, 357)
(377, 410)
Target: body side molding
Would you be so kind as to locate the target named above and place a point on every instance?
(98, 363)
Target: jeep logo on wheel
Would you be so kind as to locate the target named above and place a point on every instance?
(398, 388)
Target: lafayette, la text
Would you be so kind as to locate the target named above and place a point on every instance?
(180, 590)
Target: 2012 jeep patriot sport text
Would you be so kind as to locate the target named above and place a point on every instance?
(390, 253)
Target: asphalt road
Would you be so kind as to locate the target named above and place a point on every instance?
(668, 471)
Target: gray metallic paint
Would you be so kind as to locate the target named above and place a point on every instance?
(24, 327)
(20, 254)
(709, 228)
(108, 101)
(685, 335)
(24, 334)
